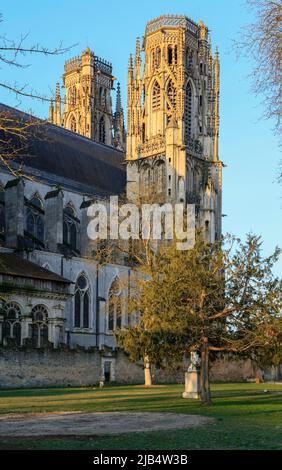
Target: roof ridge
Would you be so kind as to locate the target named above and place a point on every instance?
(61, 128)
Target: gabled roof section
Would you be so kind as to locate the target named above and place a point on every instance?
(13, 265)
(60, 155)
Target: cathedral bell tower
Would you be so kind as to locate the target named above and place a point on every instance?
(173, 119)
(87, 105)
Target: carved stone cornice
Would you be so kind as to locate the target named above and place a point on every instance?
(155, 146)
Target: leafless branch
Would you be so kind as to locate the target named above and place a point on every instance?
(261, 41)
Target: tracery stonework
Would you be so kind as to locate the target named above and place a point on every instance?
(173, 110)
(87, 105)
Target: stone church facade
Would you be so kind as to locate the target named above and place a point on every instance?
(57, 297)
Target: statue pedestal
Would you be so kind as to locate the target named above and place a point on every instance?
(192, 384)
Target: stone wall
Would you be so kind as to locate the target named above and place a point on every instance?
(62, 368)
(230, 370)
(48, 368)
(128, 372)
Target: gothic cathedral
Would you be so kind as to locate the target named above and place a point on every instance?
(60, 296)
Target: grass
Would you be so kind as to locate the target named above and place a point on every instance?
(246, 417)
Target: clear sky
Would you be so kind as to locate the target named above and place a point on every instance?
(252, 197)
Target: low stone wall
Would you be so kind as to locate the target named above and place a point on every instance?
(230, 370)
(63, 368)
(127, 372)
(50, 368)
(222, 370)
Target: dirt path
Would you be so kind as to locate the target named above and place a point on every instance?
(63, 424)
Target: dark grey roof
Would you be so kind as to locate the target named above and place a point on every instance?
(13, 265)
(62, 156)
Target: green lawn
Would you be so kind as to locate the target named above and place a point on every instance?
(246, 417)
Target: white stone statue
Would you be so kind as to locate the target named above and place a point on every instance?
(195, 361)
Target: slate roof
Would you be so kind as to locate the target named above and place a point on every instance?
(62, 156)
(13, 265)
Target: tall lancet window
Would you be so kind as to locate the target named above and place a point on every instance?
(70, 227)
(39, 327)
(34, 223)
(81, 303)
(156, 96)
(169, 55)
(188, 112)
(115, 306)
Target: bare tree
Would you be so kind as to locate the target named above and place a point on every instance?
(262, 42)
(14, 53)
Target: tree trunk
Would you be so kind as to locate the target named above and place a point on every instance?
(205, 381)
(147, 372)
(258, 377)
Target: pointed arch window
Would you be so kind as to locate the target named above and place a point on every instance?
(39, 327)
(175, 54)
(169, 55)
(105, 97)
(159, 177)
(101, 96)
(82, 303)
(12, 323)
(70, 228)
(156, 96)
(111, 317)
(115, 306)
(102, 130)
(143, 133)
(34, 232)
(188, 112)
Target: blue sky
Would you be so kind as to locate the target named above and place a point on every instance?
(252, 197)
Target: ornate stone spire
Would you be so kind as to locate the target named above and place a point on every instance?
(118, 102)
(137, 52)
(130, 70)
(58, 94)
(137, 62)
(57, 113)
(51, 111)
(119, 131)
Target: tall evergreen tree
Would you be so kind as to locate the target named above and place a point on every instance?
(215, 298)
